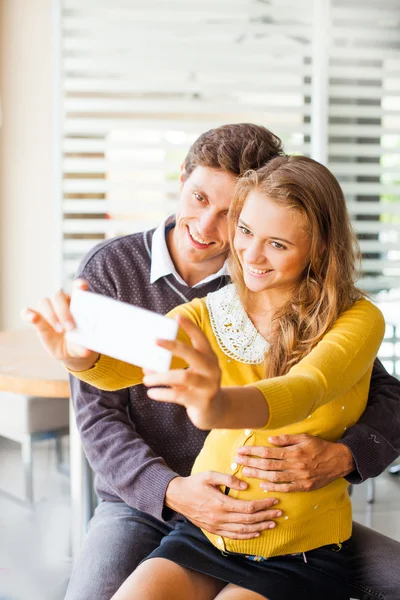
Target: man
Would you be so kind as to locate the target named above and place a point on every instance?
(142, 451)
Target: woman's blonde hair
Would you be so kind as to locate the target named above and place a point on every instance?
(327, 287)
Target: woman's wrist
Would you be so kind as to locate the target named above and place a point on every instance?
(82, 364)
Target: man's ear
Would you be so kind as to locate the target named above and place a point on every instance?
(182, 176)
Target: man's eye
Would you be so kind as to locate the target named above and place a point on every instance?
(198, 197)
(244, 230)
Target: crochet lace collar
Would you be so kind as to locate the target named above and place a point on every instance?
(235, 333)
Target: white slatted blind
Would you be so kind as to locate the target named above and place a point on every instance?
(364, 129)
(142, 80)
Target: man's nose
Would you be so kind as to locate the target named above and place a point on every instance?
(207, 223)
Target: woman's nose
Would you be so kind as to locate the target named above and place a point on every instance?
(254, 254)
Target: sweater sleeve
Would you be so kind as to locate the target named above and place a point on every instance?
(375, 440)
(332, 368)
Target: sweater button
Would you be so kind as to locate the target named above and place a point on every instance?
(234, 466)
(248, 431)
(220, 542)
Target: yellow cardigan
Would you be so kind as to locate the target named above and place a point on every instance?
(323, 395)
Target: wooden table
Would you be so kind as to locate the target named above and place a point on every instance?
(26, 368)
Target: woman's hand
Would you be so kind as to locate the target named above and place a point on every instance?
(197, 387)
(52, 322)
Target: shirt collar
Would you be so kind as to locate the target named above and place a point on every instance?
(161, 261)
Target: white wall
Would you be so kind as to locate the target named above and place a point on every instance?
(28, 226)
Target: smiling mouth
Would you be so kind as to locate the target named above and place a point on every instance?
(258, 272)
(198, 241)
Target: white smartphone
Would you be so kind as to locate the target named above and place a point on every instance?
(120, 330)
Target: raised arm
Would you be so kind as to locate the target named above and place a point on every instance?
(332, 368)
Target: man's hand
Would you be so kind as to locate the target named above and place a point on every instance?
(297, 463)
(199, 499)
(52, 322)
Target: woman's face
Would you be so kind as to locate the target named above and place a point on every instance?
(272, 244)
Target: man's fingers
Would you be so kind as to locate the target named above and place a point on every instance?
(247, 506)
(272, 476)
(288, 439)
(229, 534)
(263, 452)
(240, 529)
(295, 486)
(217, 479)
(258, 518)
(233, 505)
(263, 464)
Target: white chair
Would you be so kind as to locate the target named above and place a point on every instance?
(27, 419)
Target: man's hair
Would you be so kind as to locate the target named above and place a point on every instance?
(233, 148)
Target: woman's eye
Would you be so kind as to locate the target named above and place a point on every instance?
(278, 246)
(198, 197)
(244, 230)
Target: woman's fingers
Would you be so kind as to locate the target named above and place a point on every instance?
(80, 284)
(193, 357)
(49, 313)
(35, 318)
(177, 377)
(52, 339)
(189, 354)
(165, 395)
(61, 303)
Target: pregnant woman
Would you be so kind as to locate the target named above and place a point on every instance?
(289, 344)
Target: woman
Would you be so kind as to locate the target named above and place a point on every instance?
(293, 326)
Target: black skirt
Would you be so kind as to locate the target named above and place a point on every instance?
(321, 573)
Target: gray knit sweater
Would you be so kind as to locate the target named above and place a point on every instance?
(136, 445)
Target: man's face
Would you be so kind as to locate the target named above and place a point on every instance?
(201, 231)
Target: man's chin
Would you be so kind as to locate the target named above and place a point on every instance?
(192, 255)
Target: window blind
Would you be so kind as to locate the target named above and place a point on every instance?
(364, 129)
(141, 81)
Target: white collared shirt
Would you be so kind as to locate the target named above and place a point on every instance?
(161, 261)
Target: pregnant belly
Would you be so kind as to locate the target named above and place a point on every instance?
(218, 454)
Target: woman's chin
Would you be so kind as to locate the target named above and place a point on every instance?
(255, 286)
